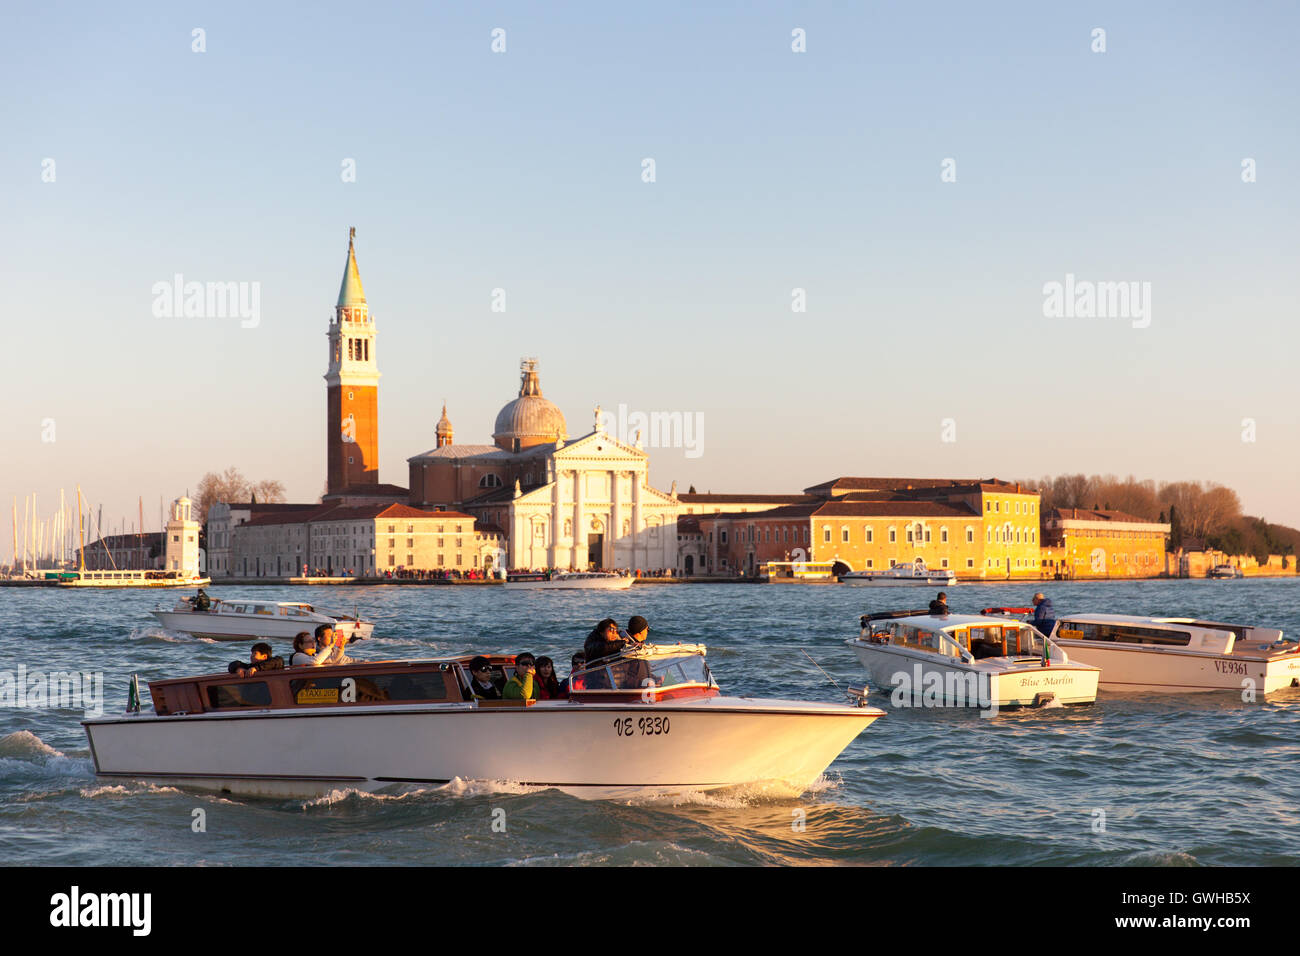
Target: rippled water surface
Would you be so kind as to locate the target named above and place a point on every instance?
(1176, 780)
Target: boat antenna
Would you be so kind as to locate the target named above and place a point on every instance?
(819, 667)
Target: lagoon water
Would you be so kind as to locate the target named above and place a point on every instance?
(1136, 779)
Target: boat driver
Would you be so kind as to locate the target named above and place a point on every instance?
(636, 673)
(201, 601)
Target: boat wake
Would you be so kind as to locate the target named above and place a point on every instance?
(166, 637)
(125, 790)
(739, 797)
(25, 745)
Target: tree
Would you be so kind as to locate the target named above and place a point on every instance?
(231, 485)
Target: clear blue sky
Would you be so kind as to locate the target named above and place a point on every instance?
(775, 170)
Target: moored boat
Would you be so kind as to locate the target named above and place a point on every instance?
(247, 619)
(568, 580)
(304, 731)
(969, 660)
(916, 574)
(131, 579)
(1180, 654)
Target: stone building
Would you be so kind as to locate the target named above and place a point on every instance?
(1106, 544)
(563, 504)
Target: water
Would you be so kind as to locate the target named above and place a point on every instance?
(1191, 780)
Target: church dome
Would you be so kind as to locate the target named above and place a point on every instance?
(530, 419)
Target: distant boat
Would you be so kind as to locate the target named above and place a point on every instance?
(247, 619)
(131, 579)
(915, 573)
(1224, 571)
(561, 580)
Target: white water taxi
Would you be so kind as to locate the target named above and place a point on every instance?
(304, 731)
(246, 619)
(568, 580)
(916, 574)
(1180, 654)
(131, 579)
(969, 660)
(1224, 571)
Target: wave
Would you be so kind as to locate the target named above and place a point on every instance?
(25, 745)
(124, 790)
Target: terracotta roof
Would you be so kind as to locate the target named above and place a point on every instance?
(849, 483)
(890, 509)
(785, 511)
(287, 517)
(367, 512)
(486, 528)
(1088, 514)
(363, 491)
(688, 524)
(707, 499)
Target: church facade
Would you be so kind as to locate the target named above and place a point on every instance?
(562, 504)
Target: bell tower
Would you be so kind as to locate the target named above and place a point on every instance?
(351, 387)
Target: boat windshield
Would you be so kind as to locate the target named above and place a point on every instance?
(647, 666)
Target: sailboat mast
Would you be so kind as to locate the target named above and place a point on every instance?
(81, 533)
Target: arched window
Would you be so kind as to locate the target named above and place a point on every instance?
(490, 481)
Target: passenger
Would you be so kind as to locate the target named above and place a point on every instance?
(636, 673)
(315, 651)
(548, 685)
(603, 641)
(1044, 616)
(304, 650)
(201, 601)
(330, 641)
(481, 684)
(940, 604)
(259, 660)
(522, 686)
(576, 663)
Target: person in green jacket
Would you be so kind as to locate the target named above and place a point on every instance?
(522, 686)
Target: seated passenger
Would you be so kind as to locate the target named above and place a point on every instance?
(603, 641)
(260, 660)
(481, 684)
(576, 663)
(309, 652)
(522, 686)
(548, 685)
(201, 601)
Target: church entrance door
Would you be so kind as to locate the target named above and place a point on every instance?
(595, 550)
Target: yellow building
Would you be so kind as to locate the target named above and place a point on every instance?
(1106, 544)
(979, 529)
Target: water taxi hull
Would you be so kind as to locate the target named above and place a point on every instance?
(1000, 682)
(1169, 670)
(593, 751)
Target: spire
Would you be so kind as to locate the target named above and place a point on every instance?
(350, 291)
(444, 430)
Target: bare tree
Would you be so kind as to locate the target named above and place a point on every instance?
(231, 485)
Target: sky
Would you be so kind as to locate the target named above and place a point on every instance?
(840, 265)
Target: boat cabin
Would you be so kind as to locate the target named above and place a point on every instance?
(357, 684)
(969, 637)
(1171, 632)
(646, 674)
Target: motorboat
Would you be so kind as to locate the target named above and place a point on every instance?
(915, 573)
(1222, 571)
(650, 721)
(1180, 654)
(568, 580)
(131, 579)
(968, 660)
(247, 619)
